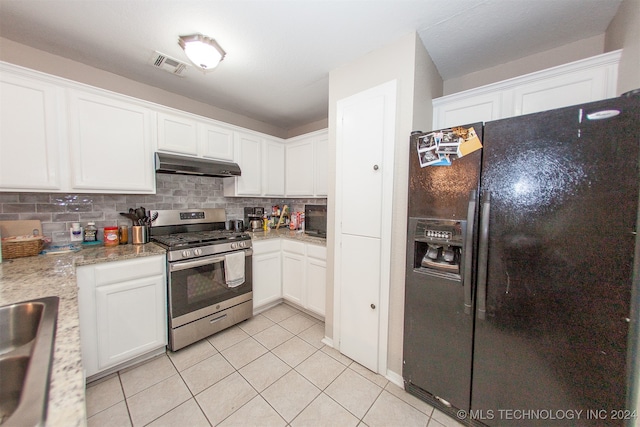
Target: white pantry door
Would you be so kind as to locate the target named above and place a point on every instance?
(364, 165)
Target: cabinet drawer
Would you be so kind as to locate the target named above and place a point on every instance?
(265, 246)
(291, 246)
(317, 251)
(120, 271)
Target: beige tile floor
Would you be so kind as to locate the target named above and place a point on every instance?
(271, 370)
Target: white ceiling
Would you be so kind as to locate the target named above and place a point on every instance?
(279, 52)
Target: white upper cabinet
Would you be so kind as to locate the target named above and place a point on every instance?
(57, 135)
(177, 134)
(578, 82)
(30, 139)
(564, 89)
(60, 136)
(321, 164)
(194, 135)
(300, 168)
(306, 165)
(476, 108)
(273, 168)
(262, 163)
(111, 141)
(248, 155)
(215, 142)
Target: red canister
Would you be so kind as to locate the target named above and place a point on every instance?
(111, 236)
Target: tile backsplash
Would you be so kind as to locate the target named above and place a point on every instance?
(57, 211)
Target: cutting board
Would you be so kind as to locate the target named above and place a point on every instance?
(20, 228)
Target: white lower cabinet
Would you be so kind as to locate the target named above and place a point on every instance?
(123, 311)
(290, 270)
(316, 278)
(293, 271)
(267, 272)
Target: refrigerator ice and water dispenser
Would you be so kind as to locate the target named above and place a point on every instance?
(438, 245)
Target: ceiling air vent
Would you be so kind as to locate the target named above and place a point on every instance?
(168, 64)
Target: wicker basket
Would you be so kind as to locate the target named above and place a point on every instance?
(21, 248)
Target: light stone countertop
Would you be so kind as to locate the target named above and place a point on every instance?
(39, 276)
(285, 233)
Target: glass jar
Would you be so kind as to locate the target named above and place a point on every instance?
(124, 234)
(90, 232)
(111, 236)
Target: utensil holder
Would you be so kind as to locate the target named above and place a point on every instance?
(139, 234)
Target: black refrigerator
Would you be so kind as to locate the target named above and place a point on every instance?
(520, 264)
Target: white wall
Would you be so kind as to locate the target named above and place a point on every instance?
(309, 127)
(624, 33)
(401, 60)
(564, 54)
(45, 62)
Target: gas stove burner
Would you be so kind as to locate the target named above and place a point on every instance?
(199, 238)
(194, 233)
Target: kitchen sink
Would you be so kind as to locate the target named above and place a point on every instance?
(27, 335)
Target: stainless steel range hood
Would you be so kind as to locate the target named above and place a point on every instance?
(184, 165)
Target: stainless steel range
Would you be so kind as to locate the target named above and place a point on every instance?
(209, 273)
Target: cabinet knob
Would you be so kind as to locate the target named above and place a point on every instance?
(373, 306)
(375, 167)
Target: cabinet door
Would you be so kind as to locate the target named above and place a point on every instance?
(177, 134)
(131, 319)
(484, 107)
(250, 162)
(29, 134)
(362, 141)
(216, 142)
(365, 136)
(111, 144)
(321, 166)
(316, 284)
(560, 91)
(359, 299)
(273, 167)
(85, 277)
(299, 170)
(267, 278)
(293, 277)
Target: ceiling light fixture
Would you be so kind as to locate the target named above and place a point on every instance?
(204, 52)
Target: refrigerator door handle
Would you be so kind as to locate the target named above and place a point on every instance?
(483, 255)
(468, 253)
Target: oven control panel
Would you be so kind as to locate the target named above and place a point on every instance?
(191, 215)
(207, 250)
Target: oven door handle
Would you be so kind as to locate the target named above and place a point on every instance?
(185, 265)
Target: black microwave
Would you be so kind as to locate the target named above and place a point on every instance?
(315, 220)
